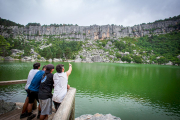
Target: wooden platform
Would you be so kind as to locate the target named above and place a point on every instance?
(15, 115)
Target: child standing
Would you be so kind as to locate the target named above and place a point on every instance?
(45, 92)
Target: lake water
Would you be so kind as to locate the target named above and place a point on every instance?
(128, 91)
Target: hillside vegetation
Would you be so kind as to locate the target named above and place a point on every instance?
(157, 46)
(8, 23)
(167, 46)
(148, 49)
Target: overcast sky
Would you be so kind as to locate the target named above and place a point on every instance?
(88, 12)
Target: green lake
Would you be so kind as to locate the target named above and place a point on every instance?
(128, 91)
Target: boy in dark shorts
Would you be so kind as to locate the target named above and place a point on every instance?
(33, 90)
(45, 92)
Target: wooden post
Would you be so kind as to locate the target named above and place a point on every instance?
(72, 117)
(67, 108)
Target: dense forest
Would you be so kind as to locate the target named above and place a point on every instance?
(8, 23)
(167, 46)
(60, 48)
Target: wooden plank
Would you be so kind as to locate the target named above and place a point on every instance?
(12, 82)
(8, 115)
(15, 115)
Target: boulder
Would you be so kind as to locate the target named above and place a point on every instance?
(96, 58)
(57, 60)
(15, 51)
(78, 60)
(131, 62)
(147, 61)
(50, 60)
(42, 59)
(6, 106)
(70, 61)
(77, 56)
(26, 58)
(144, 57)
(44, 46)
(111, 56)
(8, 58)
(97, 116)
(158, 57)
(109, 43)
(134, 51)
(107, 47)
(169, 63)
(178, 56)
(88, 60)
(124, 54)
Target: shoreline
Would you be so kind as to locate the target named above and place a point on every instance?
(80, 62)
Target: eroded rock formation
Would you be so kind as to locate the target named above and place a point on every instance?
(90, 32)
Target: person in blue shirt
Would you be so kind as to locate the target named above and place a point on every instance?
(35, 83)
(31, 75)
(33, 90)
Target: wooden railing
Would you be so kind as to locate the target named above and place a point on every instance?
(12, 82)
(66, 110)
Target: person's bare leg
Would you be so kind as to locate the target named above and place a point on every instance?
(30, 105)
(25, 105)
(30, 114)
(46, 118)
(39, 108)
(39, 111)
(43, 117)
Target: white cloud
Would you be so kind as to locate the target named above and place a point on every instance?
(88, 12)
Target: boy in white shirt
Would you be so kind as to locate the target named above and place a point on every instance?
(60, 84)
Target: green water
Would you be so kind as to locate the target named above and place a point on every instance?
(128, 91)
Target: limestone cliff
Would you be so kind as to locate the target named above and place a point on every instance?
(91, 32)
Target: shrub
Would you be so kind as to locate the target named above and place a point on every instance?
(126, 58)
(118, 55)
(39, 57)
(137, 59)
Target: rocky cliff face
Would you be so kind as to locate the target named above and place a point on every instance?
(90, 32)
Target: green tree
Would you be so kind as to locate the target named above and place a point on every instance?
(126, 58)
(118, 55)
(120, 45)
(49, 53)
(59, 53)
(68, 53)
(27, 50)
(162, 60)
(4, 46)
(137, 59)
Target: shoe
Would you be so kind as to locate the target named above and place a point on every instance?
(31, 116)
(23, 115)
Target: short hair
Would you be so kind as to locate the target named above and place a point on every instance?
(36, 65)
(59, 68)
(49, 67)
(44, 67)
